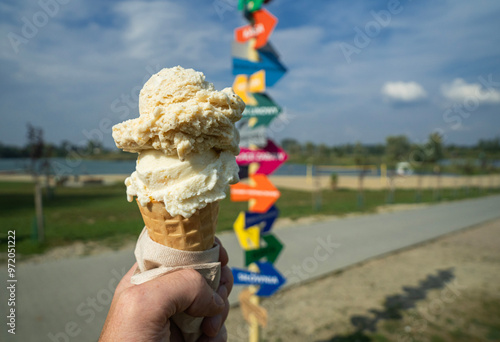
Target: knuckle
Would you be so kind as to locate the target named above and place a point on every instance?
(131, 300)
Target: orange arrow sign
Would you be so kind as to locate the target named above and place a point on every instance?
(262, 195)
(261, 29)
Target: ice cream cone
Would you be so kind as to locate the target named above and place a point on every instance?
(196, 233)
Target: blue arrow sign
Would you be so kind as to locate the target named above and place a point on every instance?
(268, 61)
(269, 279)
(265, 221)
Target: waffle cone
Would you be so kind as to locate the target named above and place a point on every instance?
(196, 233)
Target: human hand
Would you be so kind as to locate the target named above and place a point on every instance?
(142, 312)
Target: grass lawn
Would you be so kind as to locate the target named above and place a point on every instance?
(103, 213)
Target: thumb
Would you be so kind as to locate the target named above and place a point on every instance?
(181, 291)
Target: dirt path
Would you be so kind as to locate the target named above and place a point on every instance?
(445, 290)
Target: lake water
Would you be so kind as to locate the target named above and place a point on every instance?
(95, 167)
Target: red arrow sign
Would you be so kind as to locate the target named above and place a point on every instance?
(270, 157)
(261, 30)
(262, 195)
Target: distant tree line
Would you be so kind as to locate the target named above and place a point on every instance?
(42, 149)
(396, 149)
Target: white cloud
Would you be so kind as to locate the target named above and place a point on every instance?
(404, 91)
(459, 91)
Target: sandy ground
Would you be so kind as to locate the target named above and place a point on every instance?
(445, 290)
(377, 183)
(310, 184)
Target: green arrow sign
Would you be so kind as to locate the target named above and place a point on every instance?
(265, 110)
(250, 5)
(270, 252)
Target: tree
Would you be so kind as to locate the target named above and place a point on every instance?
(292, 147)
(361, 160)
(36, 147)
(324, 153)
(310, 149)
(434, 148)
(434, 154)
(418, 160)
(397, 149)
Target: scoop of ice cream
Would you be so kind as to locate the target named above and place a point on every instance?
(184, 186)
(181, 113)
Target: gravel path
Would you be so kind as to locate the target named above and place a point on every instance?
(446, 290)
(75, 293)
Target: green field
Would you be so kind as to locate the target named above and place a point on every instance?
(103, 213)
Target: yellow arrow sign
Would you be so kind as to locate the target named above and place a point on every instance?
(248, 238)
(243, 86)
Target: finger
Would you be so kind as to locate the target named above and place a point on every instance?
(180, 291)
(223, 256)
(211, 325)
(226, 279)
(175, 333)
(221, 336)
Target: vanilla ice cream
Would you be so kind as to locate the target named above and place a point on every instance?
(186, 140)
(181, 113)
(183, 186)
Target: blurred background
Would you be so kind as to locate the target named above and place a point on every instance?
(387, 106)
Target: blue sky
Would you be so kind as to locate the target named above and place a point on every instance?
(421, 66)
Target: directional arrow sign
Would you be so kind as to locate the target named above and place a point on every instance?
(250, 5)
(264, 24)
(265, 106)
(269, 279)
(267, 61)
(252, 136)
(262, 196)
(264, 221)
(247, 237)
(243, 86)
(270, 252)
(244, 51)
(262, 109)
(270, 158)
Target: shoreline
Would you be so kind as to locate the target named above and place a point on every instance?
(305, 183)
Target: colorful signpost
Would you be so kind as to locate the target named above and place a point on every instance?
(269, 279)
(262, 27)
(256, 66)
(264, 221)
(263, 112)
(270, 158)
(261, 195)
